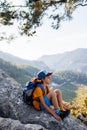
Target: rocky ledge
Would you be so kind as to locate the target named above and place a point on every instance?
(16, 115)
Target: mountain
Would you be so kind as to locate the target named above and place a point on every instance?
(73, 60)
(14, 59)
(21, 73)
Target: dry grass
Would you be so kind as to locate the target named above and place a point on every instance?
(79, 104)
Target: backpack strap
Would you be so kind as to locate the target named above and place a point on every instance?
(42, 87)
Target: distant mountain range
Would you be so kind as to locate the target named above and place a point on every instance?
(74, 60)
(17, 60)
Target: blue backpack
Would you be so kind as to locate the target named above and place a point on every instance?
(28, 91)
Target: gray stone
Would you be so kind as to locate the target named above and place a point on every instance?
(80, 116)
(10, 124)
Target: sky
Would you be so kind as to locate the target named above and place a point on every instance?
(47, 41)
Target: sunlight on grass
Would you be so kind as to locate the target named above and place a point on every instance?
(79, 104)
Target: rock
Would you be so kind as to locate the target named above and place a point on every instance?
(80, 116)
(12, 106)
(85, 122)
(9, 124)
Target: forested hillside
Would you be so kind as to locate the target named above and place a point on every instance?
(21, 73)
(69, 82)
(63, 77)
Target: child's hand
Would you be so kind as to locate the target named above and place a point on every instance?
(57, 117)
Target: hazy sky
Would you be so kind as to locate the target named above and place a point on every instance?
(71, 35)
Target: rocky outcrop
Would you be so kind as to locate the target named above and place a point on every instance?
(17, 115)
(9, 124)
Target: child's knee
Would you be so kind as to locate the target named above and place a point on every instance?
(58, 91)
(53, 93)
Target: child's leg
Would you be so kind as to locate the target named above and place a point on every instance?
(59, 98)
(53, 98)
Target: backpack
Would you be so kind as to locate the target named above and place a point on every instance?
(28, 91)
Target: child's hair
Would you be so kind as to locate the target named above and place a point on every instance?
(36, 80)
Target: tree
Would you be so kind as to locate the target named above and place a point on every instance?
(31, 14)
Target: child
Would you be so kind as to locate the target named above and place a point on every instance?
(47, 98)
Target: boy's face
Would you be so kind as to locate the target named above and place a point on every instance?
(47, 79)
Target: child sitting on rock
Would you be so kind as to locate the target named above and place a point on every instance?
(43, 100)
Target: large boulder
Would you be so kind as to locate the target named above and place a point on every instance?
(12, 106)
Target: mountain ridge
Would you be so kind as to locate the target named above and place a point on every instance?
(11, 58)
(72, 60)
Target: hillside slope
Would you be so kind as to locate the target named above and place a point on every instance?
(21, 73)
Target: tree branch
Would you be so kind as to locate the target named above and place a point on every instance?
(80, 5)
(14, 6)
(50, 3)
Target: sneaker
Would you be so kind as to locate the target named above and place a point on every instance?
(64, 114)
(57, 111)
